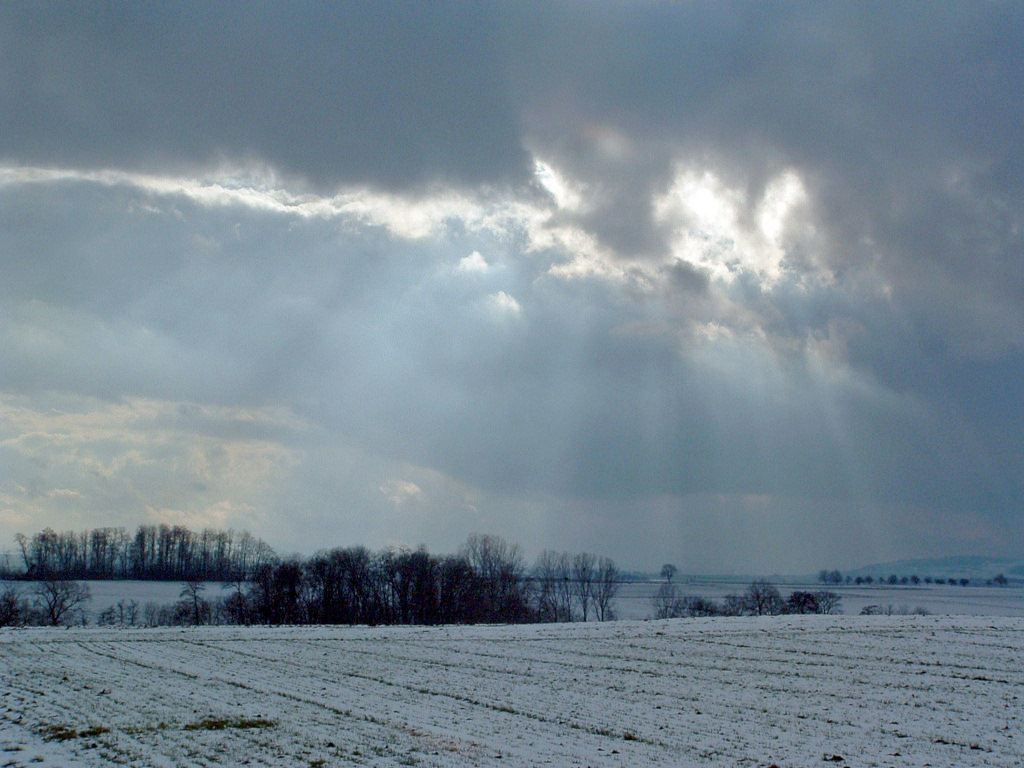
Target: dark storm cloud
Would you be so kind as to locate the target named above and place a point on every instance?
(859, 373)
(331, 92)
(903, 121)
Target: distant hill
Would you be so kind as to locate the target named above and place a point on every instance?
(973, 567)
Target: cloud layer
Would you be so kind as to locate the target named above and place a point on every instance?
(728, 285)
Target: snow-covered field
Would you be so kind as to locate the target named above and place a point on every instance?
(785, 691)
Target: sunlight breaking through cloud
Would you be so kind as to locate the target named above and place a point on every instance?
(710, 225)
(576, 267)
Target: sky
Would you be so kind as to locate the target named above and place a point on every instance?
(735, 286)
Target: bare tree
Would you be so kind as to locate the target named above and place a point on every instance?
(60, 601)
(583, 576)
(700, 606)
(14, 610)
(456, 584)
(553, 580)
(667, 603)
(192, 595)
(235, 607)
(500, 570)
(803, 602)
(22, 541)
(828, 602)
(564, 588)
(605, 587)
(734, 605)
(124, 614)
(762, 598)
(154, 552)
(830, 577)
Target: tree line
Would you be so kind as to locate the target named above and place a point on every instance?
(486, 581)
(153, 552)
(761, 598)
(836, 577)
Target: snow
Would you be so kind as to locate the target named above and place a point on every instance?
(788, 691)
(107, 593)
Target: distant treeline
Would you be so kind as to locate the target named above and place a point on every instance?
(836, 577)
(153, 552)
(486, 581)
(761, 598)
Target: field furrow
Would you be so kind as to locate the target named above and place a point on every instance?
(865, 691)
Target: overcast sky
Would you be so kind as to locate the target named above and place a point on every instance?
(733, 285)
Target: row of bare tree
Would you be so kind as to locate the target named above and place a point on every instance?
(485, 581)
(761, 598)
(156, 552)
(568, 587)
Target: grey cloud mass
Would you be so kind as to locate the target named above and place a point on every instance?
(325, 92)
(731, 285)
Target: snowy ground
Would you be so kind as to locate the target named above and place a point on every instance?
(785, 691)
